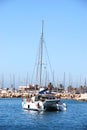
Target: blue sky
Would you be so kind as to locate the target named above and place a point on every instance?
(65, 34)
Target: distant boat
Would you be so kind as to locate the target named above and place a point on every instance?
(44, 101)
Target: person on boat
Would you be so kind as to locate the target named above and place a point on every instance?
(50, 86)
(33, 98)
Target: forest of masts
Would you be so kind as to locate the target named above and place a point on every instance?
(14, 83)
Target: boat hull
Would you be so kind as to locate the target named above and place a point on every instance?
(47, 105)
(35, 106)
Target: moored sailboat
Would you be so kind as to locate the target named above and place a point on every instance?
(44, 101)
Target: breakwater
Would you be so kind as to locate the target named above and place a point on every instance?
(25, 94)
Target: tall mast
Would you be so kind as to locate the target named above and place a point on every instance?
(64, 81)
(41, 53)
(2, 85)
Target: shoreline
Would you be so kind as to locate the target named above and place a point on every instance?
(67, 96)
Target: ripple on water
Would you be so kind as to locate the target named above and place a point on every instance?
(13, 117)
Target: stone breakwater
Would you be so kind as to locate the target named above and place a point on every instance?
(12, 94)
(78, 97)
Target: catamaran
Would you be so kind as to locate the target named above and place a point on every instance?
(43, 101)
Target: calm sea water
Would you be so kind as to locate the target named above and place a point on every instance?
(13, 117)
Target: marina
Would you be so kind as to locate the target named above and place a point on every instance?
(25, 94)
(43, 66)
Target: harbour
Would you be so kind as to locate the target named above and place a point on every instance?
(43, 66)
(26, 91)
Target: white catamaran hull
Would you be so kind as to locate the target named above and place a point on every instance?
(29, 105)
(47, 105)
